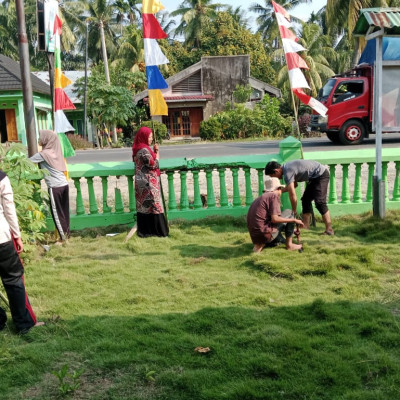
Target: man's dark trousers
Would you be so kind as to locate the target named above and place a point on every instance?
(12, 273)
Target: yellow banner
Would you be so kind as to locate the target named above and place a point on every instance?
(158, 106)
(151, 6)
(60, 80)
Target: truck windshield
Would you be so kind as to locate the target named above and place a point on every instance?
(326, 90)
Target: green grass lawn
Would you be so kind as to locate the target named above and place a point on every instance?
(125, 318)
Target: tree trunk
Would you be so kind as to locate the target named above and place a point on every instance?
(356, 51)
(106, 71)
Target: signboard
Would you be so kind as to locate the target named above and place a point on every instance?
(390, 96)
(46, 13)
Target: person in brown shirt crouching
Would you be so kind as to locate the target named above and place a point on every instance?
(266, 222)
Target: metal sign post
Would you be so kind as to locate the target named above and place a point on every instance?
(379, 185)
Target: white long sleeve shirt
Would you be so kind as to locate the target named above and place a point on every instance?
(8, 214)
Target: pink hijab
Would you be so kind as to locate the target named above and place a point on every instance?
(142, 141)
(51, 150)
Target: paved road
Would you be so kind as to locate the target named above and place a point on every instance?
(199, 149)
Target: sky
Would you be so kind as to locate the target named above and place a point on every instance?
(302, 11)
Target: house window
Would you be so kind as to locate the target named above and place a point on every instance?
(41, 119)
(256, 95)
(192, 84)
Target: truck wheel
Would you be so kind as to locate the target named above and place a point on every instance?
(333, 137)
(352, 132)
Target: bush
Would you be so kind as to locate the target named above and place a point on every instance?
(211, 129)
(238, 122)
(28, 196)
(159, 130)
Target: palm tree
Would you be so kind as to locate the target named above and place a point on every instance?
(166, 23)
(318, 58)
(9, 27)
(268, 28)
(73, 25)
(194, 15)
(342, 15)
(101, 35)
(238, 16)
(130, 53)
(129, 8)
(8, 32)
(102, 38)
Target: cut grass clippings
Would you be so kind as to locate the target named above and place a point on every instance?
(123, 320)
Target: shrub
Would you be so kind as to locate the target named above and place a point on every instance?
(159, 130)
(237, 122)
(28, 196)
(211, 129)
(241, 94)
(78, 142)
(275, 123)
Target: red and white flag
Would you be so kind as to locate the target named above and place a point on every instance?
(294, 62)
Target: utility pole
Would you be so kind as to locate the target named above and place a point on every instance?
(85, 136)
(29, 111)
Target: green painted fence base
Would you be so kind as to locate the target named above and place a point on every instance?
(83, 221)
(79, 222)
(337, 210)
(206, 212)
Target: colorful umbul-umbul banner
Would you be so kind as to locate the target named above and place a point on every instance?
(294, 62)
(61, 100)
(153, 56)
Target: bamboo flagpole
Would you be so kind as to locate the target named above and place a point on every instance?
(153, 57)
(159, 179)
(296, 117)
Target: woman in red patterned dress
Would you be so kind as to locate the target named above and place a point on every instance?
(149, 207)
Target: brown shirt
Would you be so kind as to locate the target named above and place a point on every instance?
(259, 217)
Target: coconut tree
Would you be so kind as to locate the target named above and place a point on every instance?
(102, 40)
(73, 26)
(102, 37)
(130, 53)
(194, 15)
(8, 31)
(342, 16)
(266, 20)
(129, 9)
(238, 15)
(319, 56)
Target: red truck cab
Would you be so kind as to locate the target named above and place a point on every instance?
(348, 98)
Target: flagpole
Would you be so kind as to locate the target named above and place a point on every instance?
(50, 61)
(159, 178)
(295, 63)
(296, 115)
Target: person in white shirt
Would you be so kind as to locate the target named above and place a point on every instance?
(11, 268)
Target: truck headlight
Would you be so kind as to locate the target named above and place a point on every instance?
(322, 120)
